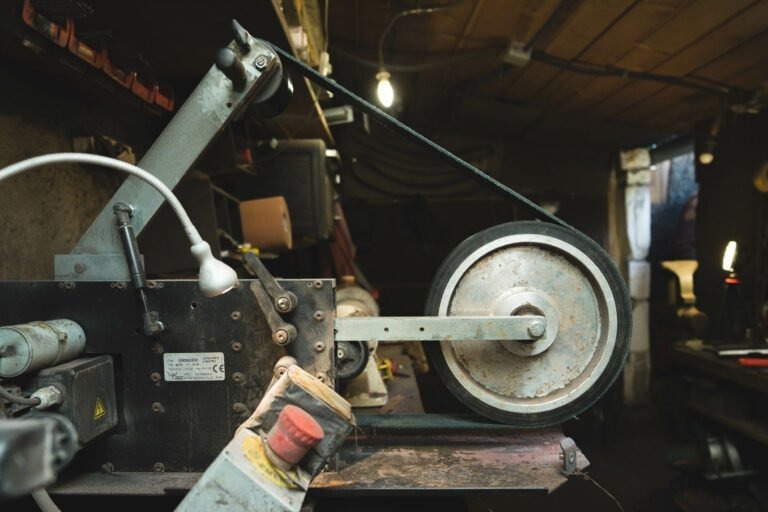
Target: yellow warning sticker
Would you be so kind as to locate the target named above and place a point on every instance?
(254, 452)
(98, 409)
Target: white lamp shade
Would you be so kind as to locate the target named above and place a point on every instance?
(216, 277)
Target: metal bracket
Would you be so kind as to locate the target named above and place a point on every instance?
(568, 455)
(524, 328)
(283, 333)
(284, 301)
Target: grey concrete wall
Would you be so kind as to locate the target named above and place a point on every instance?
(43, 212)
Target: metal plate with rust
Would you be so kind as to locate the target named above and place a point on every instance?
(532, 268)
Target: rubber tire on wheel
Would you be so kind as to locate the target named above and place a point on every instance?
(618, 294)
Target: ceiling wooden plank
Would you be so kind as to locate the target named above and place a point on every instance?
(699, 18)
(671, 99)
(753, 53)
(724, 38)
(527, 23)
(635, 25)
(577, 33)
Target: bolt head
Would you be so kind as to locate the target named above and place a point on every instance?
(280, 336)
(536, 328)
(283, 304)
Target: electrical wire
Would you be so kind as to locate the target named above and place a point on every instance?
(44, 501)
(409, 12)
(434, 62)
(709, 87)
(18, 400)
(118, 165)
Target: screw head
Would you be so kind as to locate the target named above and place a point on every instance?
(108, 467)
(155, 377)
(317, 284)
(235, 315)
(536, 328)
(238, 377)
(156, 348)
(152, 284)
(239, 408)
(159, 467)
(236, 346)
(80, 268)
(341, 352)
(319, 346)
(157, 407)
(283, 304)
(280, 336)
(319, 316)
(260, 61)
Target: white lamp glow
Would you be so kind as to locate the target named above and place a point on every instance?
(729, 256)
(384, 89)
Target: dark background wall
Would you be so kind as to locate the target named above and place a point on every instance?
(730, 208)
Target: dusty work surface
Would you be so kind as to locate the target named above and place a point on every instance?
(440, 453)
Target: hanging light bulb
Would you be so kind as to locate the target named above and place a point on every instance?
(384, 90)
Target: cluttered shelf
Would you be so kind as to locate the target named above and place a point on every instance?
(725, 386)
(707, 360)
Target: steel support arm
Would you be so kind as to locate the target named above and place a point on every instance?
(219, 98)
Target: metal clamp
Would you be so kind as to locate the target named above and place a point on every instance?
(568, 455)
(283, 333)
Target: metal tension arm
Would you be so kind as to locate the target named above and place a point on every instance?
(248, 70)
(441, 328)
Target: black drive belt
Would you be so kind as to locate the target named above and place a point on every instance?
(411, 134)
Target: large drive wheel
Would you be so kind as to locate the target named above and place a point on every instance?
(537, 268)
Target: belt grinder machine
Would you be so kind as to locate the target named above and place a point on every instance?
(527, 324)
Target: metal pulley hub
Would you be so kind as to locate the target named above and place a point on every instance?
(532, 268)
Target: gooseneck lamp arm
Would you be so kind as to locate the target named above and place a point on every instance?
(215, 276)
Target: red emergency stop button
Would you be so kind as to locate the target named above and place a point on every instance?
(294, 434)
